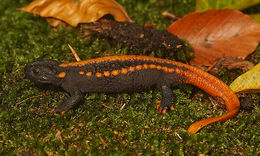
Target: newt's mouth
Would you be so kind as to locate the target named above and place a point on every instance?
(28, 71)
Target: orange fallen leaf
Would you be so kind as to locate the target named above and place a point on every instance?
(75, 12)
(217, 33)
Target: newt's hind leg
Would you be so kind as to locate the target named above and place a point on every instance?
(167, 99)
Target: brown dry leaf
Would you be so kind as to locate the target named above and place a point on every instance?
(217, 33)
(236, 63)
(75, 12)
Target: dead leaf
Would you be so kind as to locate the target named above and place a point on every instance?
(58, 136)
(217, 33)
(236, 63)
(248, 82)
(75, 12)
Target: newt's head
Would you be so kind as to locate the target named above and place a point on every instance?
(42, 71)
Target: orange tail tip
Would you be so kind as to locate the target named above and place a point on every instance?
(195, 127)
(215, 88)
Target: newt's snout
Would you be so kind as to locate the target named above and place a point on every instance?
(42, 71)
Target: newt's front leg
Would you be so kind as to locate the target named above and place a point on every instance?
(72, 101)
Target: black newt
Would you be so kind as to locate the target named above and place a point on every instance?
(131, 73)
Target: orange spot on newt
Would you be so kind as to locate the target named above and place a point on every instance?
(171, 70)
(89, 73)
(124, 71)
(132, 69)
(99, 74)
(61, 74)
(139, 67)
(81, 72)
(115, 72)
(145, 66)
(165, 69)
(152, 66)
(106, 73)
(178, 71)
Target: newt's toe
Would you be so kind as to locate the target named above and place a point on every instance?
(157, 107)
(58, 110)
(164, 110)
(172, 107)
(63, 112)
(161, 110)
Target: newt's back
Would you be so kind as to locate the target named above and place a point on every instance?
(117, 74)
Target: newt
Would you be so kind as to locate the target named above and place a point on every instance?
(131, 73)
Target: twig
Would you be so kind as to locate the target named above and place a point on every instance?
(103, 142)
(215, 64)
(74, 53)
(104, 104)
(126, 123)
(16, 105)
(122, 107)
(170, 15)
(178, 136)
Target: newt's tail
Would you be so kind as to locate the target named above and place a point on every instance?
(217, 89)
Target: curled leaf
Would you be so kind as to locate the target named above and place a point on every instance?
(216, 33)
(248, 82)
(75, 12)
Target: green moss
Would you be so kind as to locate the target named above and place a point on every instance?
(28, 127)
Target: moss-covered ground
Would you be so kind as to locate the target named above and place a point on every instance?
(121, 124)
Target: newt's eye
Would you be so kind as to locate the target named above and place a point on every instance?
(44, 78)
(36, 71)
